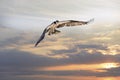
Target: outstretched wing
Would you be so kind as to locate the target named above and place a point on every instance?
(41, 37)
(47, 29)
(73, 23)
(51, 28)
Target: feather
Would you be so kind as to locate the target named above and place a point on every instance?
(41, 37)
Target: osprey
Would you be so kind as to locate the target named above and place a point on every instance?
(51, 29)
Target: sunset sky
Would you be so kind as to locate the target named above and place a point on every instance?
(88, 52)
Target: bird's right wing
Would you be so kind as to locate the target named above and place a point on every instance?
(70, 23)
(41, 37)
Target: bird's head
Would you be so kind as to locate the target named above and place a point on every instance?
(55, 21)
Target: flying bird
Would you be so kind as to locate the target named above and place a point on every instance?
(51, 29)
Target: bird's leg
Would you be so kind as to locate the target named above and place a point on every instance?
(53, 31)
(57, 31)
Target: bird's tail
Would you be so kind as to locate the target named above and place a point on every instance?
(91, 20)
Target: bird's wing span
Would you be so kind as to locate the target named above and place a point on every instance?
(51, 27)
(73, 23)
(41, 37)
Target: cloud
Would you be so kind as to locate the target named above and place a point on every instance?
(18, 63)
(40, 8)
(112, 72)
(115, 36)
(24, 59)
(93, 45)
(59, 46)
(19, 58)
(7, 34)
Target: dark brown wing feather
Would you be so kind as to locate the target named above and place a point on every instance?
(71, 23)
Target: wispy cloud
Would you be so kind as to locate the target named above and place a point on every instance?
(90, 52)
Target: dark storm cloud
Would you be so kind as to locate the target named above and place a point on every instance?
(15, 63)
(23, 59)
(20, 59)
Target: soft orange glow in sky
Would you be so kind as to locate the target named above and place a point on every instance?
(92, 67)
(72, 77)
(88, 52)
(109, 65)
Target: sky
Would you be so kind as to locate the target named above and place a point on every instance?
(88, 52)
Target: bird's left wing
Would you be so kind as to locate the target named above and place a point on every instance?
(41, 37)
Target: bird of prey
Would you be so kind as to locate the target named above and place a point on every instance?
(51, 29)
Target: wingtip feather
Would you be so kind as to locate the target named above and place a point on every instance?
(91, 20)
(35, 45)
